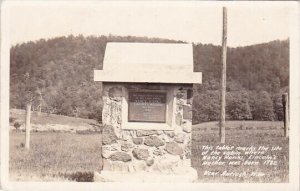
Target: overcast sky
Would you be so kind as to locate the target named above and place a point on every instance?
(191, 21)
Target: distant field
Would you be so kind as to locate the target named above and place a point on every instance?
(240, 125)
(237, 137)
(52, 122)
(66, 156)
(54, 156)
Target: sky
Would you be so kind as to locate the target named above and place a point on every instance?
(195, 22)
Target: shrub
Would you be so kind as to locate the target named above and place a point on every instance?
(17, 125)
(12, 119)
(206, 107)
(80, 176)
(237, 106)
(22, 145)
(263, 107)
(278, 107)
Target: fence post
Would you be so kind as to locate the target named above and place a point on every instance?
(285, 104)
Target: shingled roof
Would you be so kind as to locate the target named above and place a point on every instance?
(148, 62)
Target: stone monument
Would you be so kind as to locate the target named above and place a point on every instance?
(147, 112)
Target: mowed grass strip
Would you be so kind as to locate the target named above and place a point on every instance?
(52, 156)
(240, 125)
(45, 118)
(237, 137)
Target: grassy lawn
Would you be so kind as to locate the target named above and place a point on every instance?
(54, 156)
(52, 122)
(240, 125)
(68, 156)
(239, 137)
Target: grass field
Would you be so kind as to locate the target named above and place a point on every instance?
(52, 122)
(242, 125)
(267, 137)
(54, 156)
(69, 156)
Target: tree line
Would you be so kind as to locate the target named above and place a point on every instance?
(60, 74)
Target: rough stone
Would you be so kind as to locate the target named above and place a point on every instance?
(106, 111)
(158, 152)
(170, 133)
(114, 146)
(105, 153)
(150, 162)
(115, 93)
(166, 164)
(189, 97)
(130, 168)
(120, 166)
(139, 165)
(107, 165)
(112, 115)
(125, 135)
(140, 154)
(107, 150)
(126, 146)
(120, 156)
(137, 140)
(173, 148)
(178, 119)
(180, 95)
(179, 108)
(153, 141)
(141, 133)
(108, 135)
(180, 137)
(115, 115)
(165, 138)
(187, 112)
(187, 151)
(179, 102)
(187, 126)
(134, 150)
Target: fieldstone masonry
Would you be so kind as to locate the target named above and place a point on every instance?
(163, 151)
(147, 112)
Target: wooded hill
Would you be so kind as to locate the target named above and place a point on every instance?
(60, 73)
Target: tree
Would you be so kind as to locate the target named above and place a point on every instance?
(63, 62)
(263, 107)
(29, 97)
(238, 107)
(206, 107)
(278, 107)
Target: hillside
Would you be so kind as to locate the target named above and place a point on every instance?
(52, 122)
(60, 72)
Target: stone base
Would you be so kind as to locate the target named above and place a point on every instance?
(188, 176)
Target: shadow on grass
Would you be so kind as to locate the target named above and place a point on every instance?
(78, 176)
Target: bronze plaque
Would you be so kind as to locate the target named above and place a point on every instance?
(147, 107)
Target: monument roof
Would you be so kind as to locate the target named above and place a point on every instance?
(148, 62)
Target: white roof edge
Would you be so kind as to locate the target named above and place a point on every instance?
(148, 77)
(153, 54)
(148, 63)
(170, 43)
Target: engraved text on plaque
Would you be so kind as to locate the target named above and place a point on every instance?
(147, 107)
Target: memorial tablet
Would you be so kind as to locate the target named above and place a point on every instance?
(147, 107)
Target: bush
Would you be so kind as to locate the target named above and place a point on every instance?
(262, 108)
(17, 125)
(12, 119)
(97, 114)
(206, 107)
(278, 107)
(237, 106)
(79, 176)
